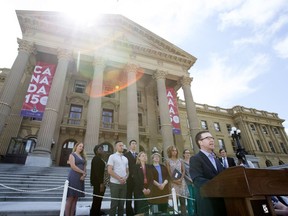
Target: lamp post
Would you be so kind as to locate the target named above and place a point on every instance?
(235, 133)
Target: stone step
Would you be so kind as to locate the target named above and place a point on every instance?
(43, 208)
(32, 180)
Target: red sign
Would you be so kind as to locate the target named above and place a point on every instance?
(173, 110)
(38, 90)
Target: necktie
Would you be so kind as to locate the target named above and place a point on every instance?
(212, 159)
(134, 154)
(225, 163)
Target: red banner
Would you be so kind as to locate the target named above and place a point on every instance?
(173, 110)
(38, 90)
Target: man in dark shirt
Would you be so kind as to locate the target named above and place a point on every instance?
(131, 155)
(97, 180)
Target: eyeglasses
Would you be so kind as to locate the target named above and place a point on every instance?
(208, 137)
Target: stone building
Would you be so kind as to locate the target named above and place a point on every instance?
(111, 82)
(262, 133)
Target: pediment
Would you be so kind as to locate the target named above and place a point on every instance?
(109, 28)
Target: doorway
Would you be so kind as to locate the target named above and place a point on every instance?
(66, 150)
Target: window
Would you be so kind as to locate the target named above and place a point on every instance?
(268, 163)
(80, 86)
(69, 145)
(264, 130)
(275, 130)
(157, 101)
(252, 127)
(271, 146)
(283, 148)
(30, 145)
(75, 114)
(21, 146)
(159, 123)
(217, 126)
(107, 118)
(228, 126)
(139, 96)
(259, 145)
(140, 119)
(204, 124)
(221, 144)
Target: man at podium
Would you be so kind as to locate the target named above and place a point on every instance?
(203, 167)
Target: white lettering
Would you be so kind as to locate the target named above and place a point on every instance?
(47, 71)
(44, 80)
(32, 88)
(42, 90)
(36, 69)
(35, 78)
(169, 94)
(170, 102)
(171, 110)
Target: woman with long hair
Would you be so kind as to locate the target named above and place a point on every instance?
(76, 177)
(176, 171)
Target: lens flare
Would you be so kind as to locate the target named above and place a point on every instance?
(113, 81)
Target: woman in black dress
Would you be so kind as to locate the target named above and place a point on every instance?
(76, 177)
(143, 181)
(97, 180)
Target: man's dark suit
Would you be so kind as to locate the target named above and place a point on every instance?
(130, 182)
(230, 160)
(201, 171)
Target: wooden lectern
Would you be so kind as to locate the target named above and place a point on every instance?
(247, 191)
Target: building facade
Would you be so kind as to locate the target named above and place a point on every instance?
(262, 133)
(110, 83)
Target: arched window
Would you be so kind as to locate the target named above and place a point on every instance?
(268, 163)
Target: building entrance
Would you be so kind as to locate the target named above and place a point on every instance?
(66, 150)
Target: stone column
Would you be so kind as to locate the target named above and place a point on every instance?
(263, 140)
(13, 79)
(94, 113)
(41, 155)
(132, 104)
(166, 127)
(251, 145)
(14, 120)
(274, 140)
(283, 135)
(191, 110)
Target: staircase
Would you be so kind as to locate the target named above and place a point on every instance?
(26, 190)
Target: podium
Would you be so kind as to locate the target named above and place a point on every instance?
(247, 191)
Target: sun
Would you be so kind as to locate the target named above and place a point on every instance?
(85, 13)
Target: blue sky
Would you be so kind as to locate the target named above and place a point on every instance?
(241, 45)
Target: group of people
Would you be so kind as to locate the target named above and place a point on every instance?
(132, 179)
(148, 185)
